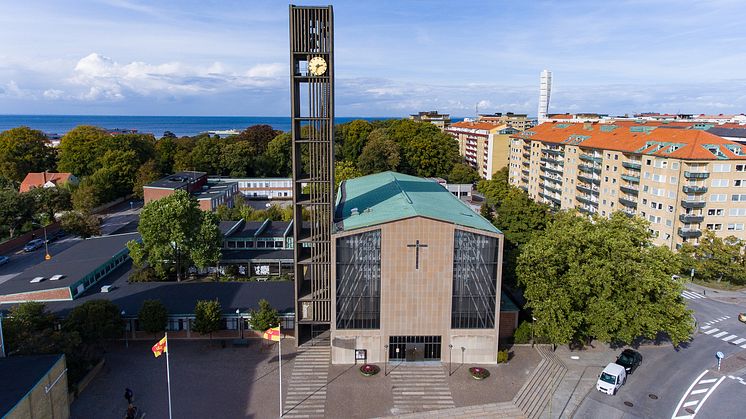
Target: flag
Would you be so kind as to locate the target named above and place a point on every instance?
(272, 334)
(160, 347)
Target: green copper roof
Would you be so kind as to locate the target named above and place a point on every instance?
(390, 196)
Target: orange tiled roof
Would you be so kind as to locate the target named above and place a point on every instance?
(477, 125)
(647, 139)
(36, 180)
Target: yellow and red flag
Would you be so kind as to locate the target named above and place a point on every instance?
(272, 334)
(160, 347)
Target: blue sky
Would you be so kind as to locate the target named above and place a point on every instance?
(209, 57)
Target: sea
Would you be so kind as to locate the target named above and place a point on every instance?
(156, 125)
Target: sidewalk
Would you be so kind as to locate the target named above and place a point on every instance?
(724, 296)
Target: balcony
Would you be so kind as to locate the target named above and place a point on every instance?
(525, 172)
(524, 187)
(551, 189)
(586, 210)
(552, 151)
(696, 175)
(695, 189)
(693, 204)
(586, 179)
(589, 169)
(688, 233)
(632, 165)
(526, 155)
(691, 218)
(629, 190)
(551, 198)
(524, 179)
(526, 163)
(588, 158)
(552, 161)
(628, 202)
(628, 213)
(551, 170)
(587, 190)
(551, 179)
(587, 200)
(632, 179)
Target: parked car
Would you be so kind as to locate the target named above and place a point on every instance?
(742, 317)
(611, 378)
(4, 260)
(33, 245)
(630, 360)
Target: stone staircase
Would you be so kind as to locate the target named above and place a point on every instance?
(306, 395)
(419, 388)
(532, 399)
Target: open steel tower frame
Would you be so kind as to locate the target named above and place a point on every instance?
(312, 98)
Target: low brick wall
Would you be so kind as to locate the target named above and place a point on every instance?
(18, 242)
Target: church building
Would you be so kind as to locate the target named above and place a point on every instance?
(416, 274)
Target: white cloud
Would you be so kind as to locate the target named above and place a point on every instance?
(52, 94)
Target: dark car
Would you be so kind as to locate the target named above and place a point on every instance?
(33, 245)
(629, 359)
(4, 260)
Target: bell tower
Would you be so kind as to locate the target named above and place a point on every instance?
(312, 114)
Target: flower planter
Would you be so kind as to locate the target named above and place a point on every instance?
(369, 369)
(479, 373)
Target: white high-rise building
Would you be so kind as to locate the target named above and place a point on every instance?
(545, 89)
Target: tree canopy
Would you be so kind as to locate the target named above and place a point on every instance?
(153, 316)
(176, 234)
(716, 259)
(602, 279)
(463, 173)
(379, 154)
(24, 150)
(207, 314)
(264, 318)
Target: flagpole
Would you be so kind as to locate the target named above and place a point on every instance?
(168, 378)
(280, 358)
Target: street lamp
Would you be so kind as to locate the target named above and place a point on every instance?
(385, 358)
(462, 355)
(240, 322)
(126, 341)
(47, 256)
(450, 358)
(532, 330)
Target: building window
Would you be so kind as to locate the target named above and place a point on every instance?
(719, 183)
(474, 281)
(715, 211)
(735, 227)
(738, 212)
(721, 168)
(738, 198)
(359, 281)
(718, 198)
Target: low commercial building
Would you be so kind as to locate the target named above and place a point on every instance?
(258, 248)
(519, 121)
(483, 145)
(210, 195)
(34, 387)
(260, 188)
(440, 120)
(682, 180)
(70, 273)
(415, 272)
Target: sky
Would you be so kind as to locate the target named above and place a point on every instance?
(392, 58)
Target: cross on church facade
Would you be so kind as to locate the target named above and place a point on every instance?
(417, 246)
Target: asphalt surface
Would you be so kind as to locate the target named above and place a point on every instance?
(671, 381)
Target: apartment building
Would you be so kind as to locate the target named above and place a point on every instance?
(519, 121)
(681, 180)
(484, 145)
(440, 120)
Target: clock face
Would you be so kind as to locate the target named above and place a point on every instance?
(317, 66)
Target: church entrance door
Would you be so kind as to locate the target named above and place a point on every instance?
(414, 348)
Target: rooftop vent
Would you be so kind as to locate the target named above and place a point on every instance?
(106, 288)
(354, 211)
(56, 277)
(37, 279)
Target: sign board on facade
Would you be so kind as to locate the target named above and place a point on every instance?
(361, 355)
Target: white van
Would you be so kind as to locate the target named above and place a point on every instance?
(611, 378)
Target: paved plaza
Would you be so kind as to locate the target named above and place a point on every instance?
(209, 381)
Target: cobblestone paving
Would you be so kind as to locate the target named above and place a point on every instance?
(418, 387)
(306, 396)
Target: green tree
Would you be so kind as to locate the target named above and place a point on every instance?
(153, 316)
(495, 189)
(237, 159)
(280, 153)
(206, 155)
(116, 175)
(602, 279)
(344, 170)
(85, 196)
(49, 201)
(207, 314)
(24, 150)
(95, 321)
(259, 136)
(81, 224)
(463, 173)
(431, 155)
(486, 211)
(146, 173)
(351, 137)
(176, 234)
(379, 154)
(29, 329)
(80, 150)
(16, 209)
(716, 259)
(264, 318)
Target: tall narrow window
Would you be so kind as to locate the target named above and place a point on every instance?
(474, 281)
(359, 281)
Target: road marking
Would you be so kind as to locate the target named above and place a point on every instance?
(739, 341)
(729, 338)
(712, 390)
(705, 327)
(686, 394)
(700, 391)
(708, 381)
(691, 295)
(691, 403)
(721, 334)
(711, 331)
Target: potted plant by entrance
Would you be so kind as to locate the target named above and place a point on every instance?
(369, 369)
(479, 373)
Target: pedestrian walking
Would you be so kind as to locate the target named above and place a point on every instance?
(131, 412)
(129, 396)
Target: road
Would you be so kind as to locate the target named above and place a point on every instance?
(685, 383)
(117, 219)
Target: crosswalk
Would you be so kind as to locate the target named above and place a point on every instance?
(709, 329)
(691, 295)
(419, 388)
(306, 396)
(697, 394)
